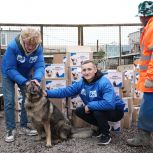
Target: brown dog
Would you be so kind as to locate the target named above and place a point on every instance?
(45, 116)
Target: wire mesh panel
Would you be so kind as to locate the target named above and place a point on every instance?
(117, 43)
(106, 36)
(130, 36)
(56, 39)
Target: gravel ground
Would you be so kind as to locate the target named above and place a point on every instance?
(26, 144)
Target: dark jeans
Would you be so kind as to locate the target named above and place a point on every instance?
(100, 118)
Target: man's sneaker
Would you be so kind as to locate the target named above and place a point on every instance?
(98, 133)
(10, 135)
(27, 131)
(98, 136)
(104, 140)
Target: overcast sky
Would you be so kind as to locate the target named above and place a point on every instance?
(69, 11)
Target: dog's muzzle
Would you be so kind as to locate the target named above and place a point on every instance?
(32, 88)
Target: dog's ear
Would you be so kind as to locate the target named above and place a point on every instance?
(27, 85)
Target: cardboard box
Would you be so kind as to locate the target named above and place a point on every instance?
(136, 77)
(128, 75)
(55, 71)
(128, 104)
(77, 54)
(137, 101)
(59, 58)
(135, 114)
(136, 93)
(127, 120)
(78, 49)
(127, 85)
(76, 58)
(122, 68)
(75, 74)
(116, 78)
(54, 84)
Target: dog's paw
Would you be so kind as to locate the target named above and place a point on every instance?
(56, 141)
(38, 138)
(48, 145)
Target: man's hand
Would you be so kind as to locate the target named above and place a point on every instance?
(37, 83)
(86, 109)
(44, 93)
(148, 83)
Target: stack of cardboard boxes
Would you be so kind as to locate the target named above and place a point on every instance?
(116, 78)
(55, 77)
(75, 56)
(18, 103)
(131, 96)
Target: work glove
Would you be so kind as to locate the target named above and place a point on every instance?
(148, 83)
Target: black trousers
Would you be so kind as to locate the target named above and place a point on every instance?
(100, 118)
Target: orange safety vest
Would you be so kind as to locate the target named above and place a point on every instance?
(146, 59)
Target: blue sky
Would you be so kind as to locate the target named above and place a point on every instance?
(69, 11)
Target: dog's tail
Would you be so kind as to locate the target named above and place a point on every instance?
(84, 133)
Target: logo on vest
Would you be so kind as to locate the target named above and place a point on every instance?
(93, 93)
(21, 58)
(83, 92)
(33, 59)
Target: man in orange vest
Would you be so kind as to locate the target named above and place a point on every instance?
(145, 82)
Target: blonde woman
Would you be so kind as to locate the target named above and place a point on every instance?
(23, 55)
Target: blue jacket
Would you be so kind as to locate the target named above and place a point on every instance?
(18, 66)
(97, 95)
